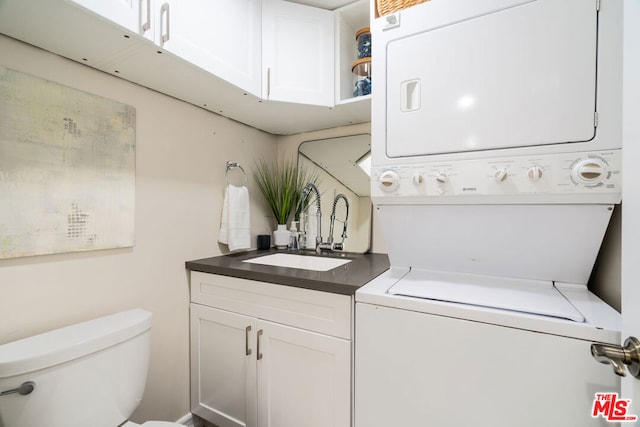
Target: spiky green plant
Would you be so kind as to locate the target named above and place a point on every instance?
(277, 183)
(281, 185)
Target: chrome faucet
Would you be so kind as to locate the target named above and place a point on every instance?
(320, 245)
(338, 246)
(303, 198)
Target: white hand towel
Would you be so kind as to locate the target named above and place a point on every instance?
(224, 221)
(235, 223)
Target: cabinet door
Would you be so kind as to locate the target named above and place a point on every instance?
(125, 13)
(219, 36)
(304, 378)
(298, 53)
(223, 367)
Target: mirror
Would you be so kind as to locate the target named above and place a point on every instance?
(342, 165)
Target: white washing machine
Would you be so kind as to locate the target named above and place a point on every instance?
(496, 165)
(424, 362)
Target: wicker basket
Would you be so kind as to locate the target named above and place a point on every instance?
(385, 7)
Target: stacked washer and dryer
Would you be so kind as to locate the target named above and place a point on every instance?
(496, 166)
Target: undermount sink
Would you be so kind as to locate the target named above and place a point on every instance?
(303, 262)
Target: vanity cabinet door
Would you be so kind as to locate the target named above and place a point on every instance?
(247, 372)
(222, 37)
(266, 355)
(223, 367)
(297, 53)
(304, 378)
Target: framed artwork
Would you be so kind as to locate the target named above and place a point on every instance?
(67, 169)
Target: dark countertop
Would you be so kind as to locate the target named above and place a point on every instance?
(345, 279)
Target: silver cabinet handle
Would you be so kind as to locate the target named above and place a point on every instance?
(268, 81)
(164, 32)
(24, 389)
(147, 25)
(247, 350)
(258, 345)
(618, 357)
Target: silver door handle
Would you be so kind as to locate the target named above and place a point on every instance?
(618, 357)
(259, 355)
(165, 33)
(147, 25)
(268, 82)
(247, 350)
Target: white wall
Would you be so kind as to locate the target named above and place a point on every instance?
(180, 166)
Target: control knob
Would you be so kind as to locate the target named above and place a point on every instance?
(442, 178)
(500, 175)
(389, 181)
(418, 178)
(589, 172)
(534, 173)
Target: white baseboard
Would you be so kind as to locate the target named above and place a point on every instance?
(190, 421)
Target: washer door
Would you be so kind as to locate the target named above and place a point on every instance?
(515, 74)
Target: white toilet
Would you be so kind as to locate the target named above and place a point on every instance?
(89, 374)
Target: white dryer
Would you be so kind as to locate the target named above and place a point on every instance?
(496, 165)
(499, 77)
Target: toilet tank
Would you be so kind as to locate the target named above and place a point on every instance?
(88, 374)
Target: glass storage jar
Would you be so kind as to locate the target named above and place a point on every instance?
(361, 68)
(363, 37)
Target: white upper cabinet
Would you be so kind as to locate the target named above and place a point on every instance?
(297, 53)
(126, 13)
(219, 36)
(211, 55)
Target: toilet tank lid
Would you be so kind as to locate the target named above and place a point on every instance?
(71, 342)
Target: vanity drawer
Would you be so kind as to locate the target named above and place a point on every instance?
(312, 310)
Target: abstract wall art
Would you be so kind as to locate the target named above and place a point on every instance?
(67, 169)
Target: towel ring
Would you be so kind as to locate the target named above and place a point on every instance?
(233, 165)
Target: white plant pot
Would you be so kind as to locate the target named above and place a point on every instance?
(281, 237)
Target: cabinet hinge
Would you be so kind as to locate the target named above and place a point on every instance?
(595, 119)
(597, 5)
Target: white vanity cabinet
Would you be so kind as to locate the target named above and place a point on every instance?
(266, 355)
(297, 53)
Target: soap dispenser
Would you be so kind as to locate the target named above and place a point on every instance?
(293, 236)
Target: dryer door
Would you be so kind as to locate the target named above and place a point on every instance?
(522, 74)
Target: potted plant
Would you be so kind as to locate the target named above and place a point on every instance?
(281, 185)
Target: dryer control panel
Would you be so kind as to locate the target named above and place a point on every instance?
(590, 177)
